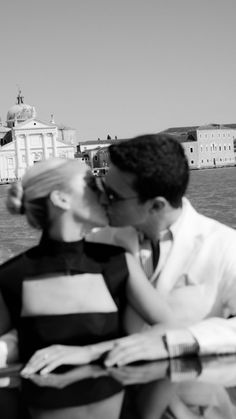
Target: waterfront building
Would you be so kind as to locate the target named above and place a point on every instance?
(207, 146)
(25, 140)
(95, 154)
(85, 146)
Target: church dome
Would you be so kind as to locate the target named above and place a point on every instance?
(20, 112)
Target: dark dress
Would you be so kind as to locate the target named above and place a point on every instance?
(65, 293)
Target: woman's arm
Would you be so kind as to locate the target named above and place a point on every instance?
(144, 298)
(9, 352)
(8, 337)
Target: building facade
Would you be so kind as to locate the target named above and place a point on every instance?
(207, 146)
(26, 140)
(95, 154)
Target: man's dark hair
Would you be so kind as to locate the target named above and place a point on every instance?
(159, 163)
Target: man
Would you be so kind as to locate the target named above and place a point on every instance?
(196, 270)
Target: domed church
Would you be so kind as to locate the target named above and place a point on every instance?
(20, 112)
(25, 140)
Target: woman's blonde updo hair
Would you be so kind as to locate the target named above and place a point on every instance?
(30, 196)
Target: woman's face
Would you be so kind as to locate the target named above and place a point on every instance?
(85, 200)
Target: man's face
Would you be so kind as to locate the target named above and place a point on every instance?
(123, 207)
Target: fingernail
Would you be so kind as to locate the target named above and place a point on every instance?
(44, 371)
(107, 363)
(25, 371)
(25, 374)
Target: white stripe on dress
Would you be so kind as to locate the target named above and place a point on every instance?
(66, 294)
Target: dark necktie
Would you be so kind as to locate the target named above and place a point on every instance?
(155, 253)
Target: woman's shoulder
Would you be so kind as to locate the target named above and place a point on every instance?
(103, 251)
(12, 262)
(16, 265)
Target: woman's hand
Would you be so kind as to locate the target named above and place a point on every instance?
(48, 359)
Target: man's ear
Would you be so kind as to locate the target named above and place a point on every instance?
(60, 199)
(158, 204)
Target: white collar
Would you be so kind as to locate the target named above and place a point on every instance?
(171, 232)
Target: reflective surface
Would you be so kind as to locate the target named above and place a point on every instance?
(182, 388)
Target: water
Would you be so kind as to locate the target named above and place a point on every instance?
(211, 191)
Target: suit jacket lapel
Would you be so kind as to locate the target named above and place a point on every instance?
(186, 245)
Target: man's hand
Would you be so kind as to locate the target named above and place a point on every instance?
(146, 346)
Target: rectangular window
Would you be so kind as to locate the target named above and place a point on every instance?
(10, 161)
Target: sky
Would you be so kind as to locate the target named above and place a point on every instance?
(120, 67)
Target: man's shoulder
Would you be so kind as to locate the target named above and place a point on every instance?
(203, 223)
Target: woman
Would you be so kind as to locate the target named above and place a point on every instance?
(66, 295)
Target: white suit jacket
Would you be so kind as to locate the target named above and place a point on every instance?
(198, 279)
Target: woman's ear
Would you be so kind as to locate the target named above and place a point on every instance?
(60, 199)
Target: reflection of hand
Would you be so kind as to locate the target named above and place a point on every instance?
(10, 382)
(49, 358)
(69, 377)
(140, 374)
(146, 346)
